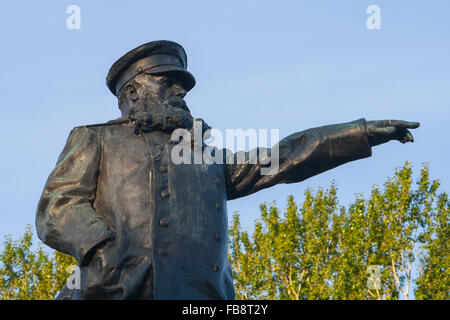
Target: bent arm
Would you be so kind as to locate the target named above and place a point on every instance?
(65, 217)
(301, 156)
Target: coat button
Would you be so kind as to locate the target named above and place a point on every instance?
(163, 168)
(217, 206)
(216, 268)
(217, 182)
(163, 222)
(217, 237)
(162, 252)
(165, 194)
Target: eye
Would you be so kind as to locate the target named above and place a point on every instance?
(166, 82)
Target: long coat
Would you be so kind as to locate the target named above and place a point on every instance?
(165, 224)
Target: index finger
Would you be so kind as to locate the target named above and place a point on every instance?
(405, 124)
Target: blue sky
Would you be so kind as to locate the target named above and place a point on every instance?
(288, 65)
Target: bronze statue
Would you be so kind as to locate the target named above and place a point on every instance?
(142, 227)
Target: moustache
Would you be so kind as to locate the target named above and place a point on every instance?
(178, 102)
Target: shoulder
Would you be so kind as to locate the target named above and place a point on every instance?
(110, 123)
(82, 139)
(99, 128)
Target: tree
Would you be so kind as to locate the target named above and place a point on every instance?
(367, 250)
(317, 250)
(29, 275)
(434, 279)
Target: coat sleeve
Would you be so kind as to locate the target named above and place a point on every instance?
(301, 155)
(65, 217)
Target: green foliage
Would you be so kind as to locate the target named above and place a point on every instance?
(325, 251)
(28, 275)
(434, 279)
(318, 250)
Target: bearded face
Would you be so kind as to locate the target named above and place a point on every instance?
(157, 100)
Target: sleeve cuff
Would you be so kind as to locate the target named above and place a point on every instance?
(351, 143)
(96, 235)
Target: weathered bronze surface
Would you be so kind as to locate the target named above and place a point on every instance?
(143, 227)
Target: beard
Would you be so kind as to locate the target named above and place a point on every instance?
(153, 114)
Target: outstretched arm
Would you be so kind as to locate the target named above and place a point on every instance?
(310, 152)
(65, 217)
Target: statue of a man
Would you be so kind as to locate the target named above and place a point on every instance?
(143, 227)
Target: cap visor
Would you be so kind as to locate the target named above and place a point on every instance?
(185, 78)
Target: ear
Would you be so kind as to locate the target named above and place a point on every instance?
(131, 92)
